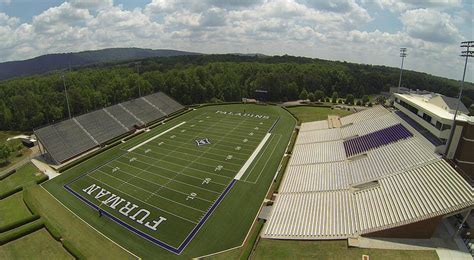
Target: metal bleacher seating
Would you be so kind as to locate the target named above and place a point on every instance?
(376, 139)
(101, 126)
(72, 137)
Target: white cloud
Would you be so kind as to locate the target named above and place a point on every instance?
(91, 4)
(332, 29)
(403, 5)
(6, 2)
(430, 25)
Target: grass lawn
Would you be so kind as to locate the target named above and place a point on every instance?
(37, 245)
(308, 113)
(17, 155)
(12, 209)
(23, 175)
(90, 243)
(328, 250)
(230, 221)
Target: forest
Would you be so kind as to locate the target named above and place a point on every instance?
(30, 102)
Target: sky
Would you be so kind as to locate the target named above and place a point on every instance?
(361, 31)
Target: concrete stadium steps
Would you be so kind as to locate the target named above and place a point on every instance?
(72, 137)
(101, 126)
(364, 115)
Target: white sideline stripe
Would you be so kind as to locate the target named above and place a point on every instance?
(154, 137)
(252, 157)
(90, 224)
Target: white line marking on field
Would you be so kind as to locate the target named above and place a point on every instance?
(154, 137)
(252, 157)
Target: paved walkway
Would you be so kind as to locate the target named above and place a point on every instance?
(43, 167)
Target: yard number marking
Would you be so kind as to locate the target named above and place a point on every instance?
(184, 130)
(251, 134)
(133, 159)
(229, 157)
(218, 168)
(200, 121)
(192, 125)
(245, 140)
(115, 169)
(147, 150)
(206, 181)
(173, 136)
(160, 143)
(256, 128)
(191, 196)
(238, 148)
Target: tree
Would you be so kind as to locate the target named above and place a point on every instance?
(328, 100)
(350, 99)
(370, 104)
(5, 152)
(381, 100)
(311, 97)
(304, 94)
(365, 99)
(319, 95)
(334, 97)
(359, 103)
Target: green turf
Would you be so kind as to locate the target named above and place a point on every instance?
(12, 209)
(308, 113)
(23, 175)
(328, 250)
(177, 168)
(37, 245)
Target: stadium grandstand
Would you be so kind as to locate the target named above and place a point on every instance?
(370, 174)
(72, 137)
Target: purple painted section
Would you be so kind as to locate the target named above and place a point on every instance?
(172, 249)
(376, 139)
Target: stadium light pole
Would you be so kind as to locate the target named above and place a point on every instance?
(403, 54)
(65, 92)
(467, 53)
(137, 65)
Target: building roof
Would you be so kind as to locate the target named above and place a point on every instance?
(451, 103)
(421, 101)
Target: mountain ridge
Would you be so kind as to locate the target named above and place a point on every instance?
(57, 61)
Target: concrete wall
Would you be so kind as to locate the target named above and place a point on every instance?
(464, 156)
(421, 229)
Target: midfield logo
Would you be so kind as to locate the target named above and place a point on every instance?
(202, 141)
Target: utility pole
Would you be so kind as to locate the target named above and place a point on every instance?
(65, 92)
(403, 54)
(467, 53)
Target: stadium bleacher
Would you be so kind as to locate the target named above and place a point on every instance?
(391, 177)
(376, 139)
(72, 137)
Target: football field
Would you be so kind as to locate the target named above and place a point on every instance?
(164, 188)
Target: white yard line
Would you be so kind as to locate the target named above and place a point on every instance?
(154, 137)
(265, 165)
(218, 183)
(216, 154)
(183, 218)
(156, 184)
(194, 155)
(162, 176)
(180, 165)
(252, 157)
